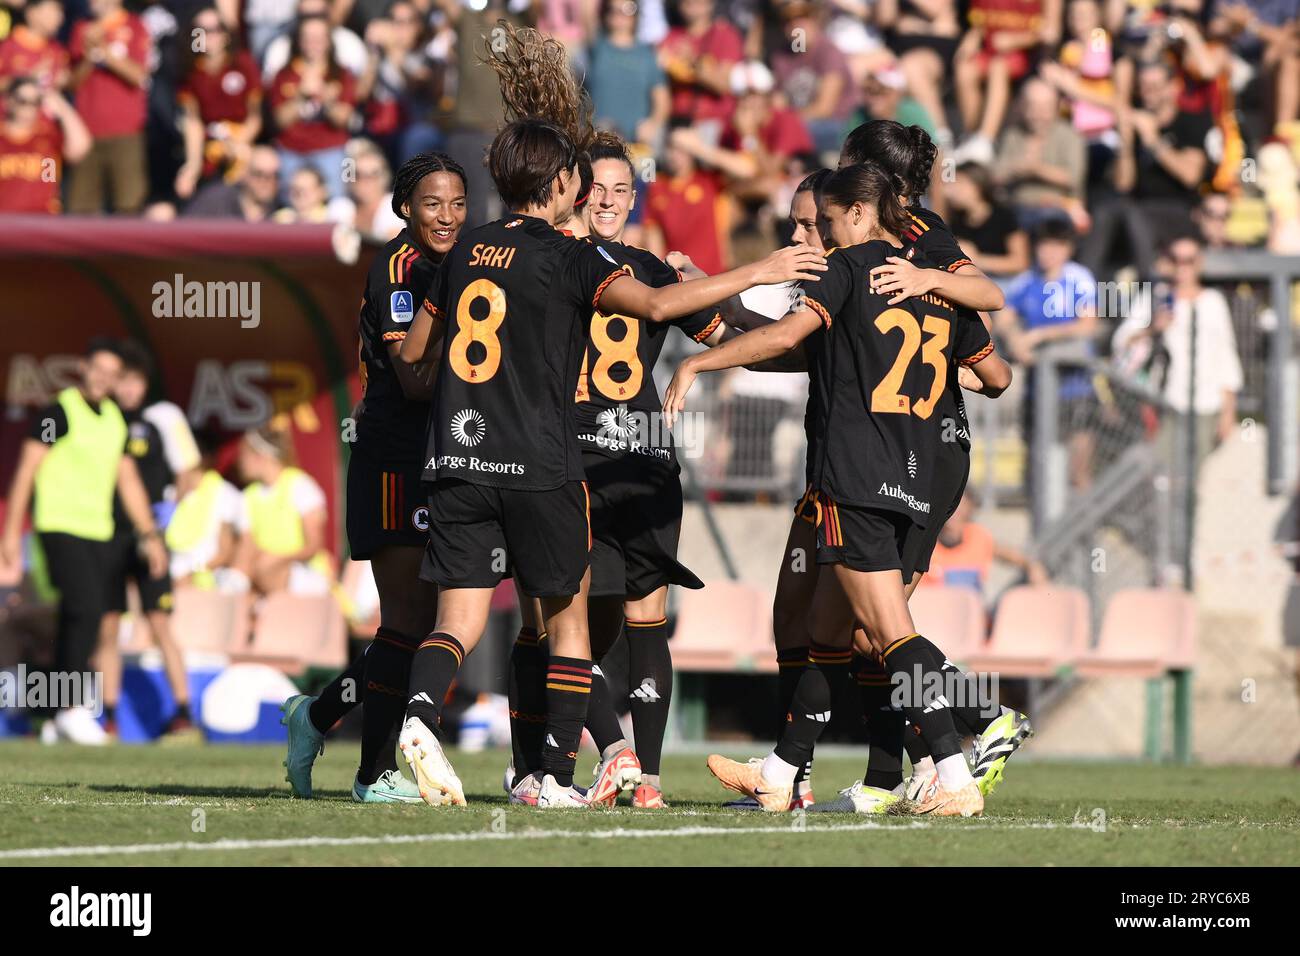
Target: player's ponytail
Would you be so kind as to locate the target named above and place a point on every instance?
(537, 81)
(872, 185)
(906, 152)
(415, 169)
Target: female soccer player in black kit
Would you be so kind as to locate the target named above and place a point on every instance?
(510, 310)
(882, 363)
(387, 507)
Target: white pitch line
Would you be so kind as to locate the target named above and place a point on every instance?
(129, 849)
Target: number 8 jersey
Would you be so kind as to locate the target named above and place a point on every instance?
(617, 402)
(515, 297)
(881, 371)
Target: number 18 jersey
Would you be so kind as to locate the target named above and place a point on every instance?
(881, 373)
(515, 296)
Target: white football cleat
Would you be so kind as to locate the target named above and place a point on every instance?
(508, 779)
(920, 787)
(525, 791)
(552, 796)
(438, 783)
(78, 725)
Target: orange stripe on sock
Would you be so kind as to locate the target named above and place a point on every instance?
(897, 644)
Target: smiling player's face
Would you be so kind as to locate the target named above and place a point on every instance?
(437, 210)
(612, 198)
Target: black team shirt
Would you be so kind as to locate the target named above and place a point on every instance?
(516, 296)
(929, 237)
(618, 404)
(881, 374)
(390, 426)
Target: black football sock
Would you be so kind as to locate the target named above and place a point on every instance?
(651, 664)
(526, 689)
(183, 712)
(790, 666)
(884, 725)
(602, 720)
(568, 689)
(911, 664)
(387, 677)
(970, 713)
(433, 668)
(339, 696)
(914, 743)
(810, 709)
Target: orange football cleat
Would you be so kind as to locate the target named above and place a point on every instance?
(747, 778)
(966, 802)
(621, 772)
(648, 798)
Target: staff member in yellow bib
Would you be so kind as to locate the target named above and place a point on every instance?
(282, 543)
(74, 460)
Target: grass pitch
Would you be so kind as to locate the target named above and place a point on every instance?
(229, 805)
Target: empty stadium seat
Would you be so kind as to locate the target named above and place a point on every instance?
(726, 626)
(1145, 633)
(292, 632)
(953, 618)
(1038, 630)
(209, 621)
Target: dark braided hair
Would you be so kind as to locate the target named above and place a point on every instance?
(415, 169)
(905, 152)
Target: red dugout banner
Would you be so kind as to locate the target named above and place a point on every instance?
(244, 321)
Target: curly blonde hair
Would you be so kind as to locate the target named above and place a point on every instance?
(537, 81)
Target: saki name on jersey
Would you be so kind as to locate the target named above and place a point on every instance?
(515, 296)
(882, 372)
(616, 396)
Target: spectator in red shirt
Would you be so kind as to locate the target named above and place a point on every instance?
(110, 71)
(41, 129)
(997, 51)
(110, 57)
(687, 209)
(698, 58)
(760, 140)
(220, 97)
(313, 102)
(32, 50)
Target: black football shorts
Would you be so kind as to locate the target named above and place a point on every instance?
(125, 564)
(636, 521)
(386, 506)
(864, 539)
(479, 535)
(946, 490)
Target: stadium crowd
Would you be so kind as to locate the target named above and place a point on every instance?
(1110, 116)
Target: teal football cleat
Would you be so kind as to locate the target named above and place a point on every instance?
(995, 745)
(391, 787)
(306, 743)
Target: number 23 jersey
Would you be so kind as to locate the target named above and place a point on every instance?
(515, 297)
(881, 373)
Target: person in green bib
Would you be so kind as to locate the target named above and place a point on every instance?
(282, 543)
(72, 463)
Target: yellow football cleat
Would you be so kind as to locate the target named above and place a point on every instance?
(747, 778)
